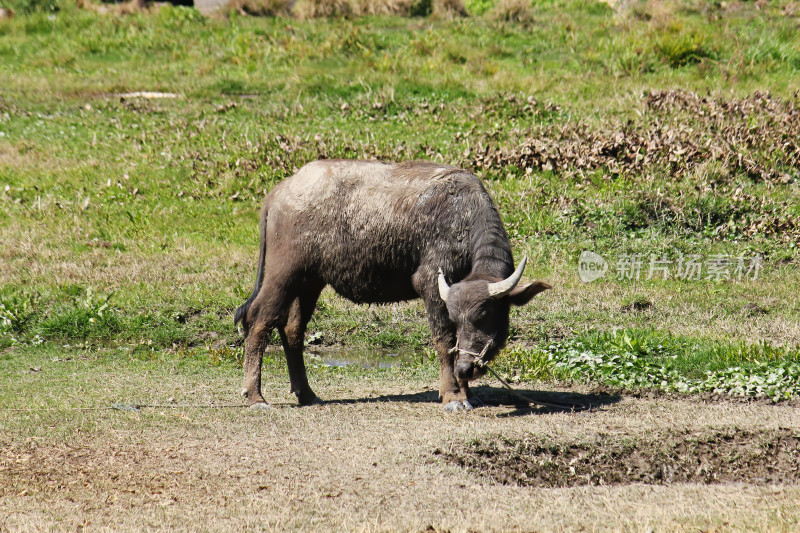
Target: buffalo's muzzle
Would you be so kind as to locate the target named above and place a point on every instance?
(466, 369)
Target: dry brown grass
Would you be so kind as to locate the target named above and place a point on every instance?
(15, 157)
(307, 9)
(368, 463)
(122, 8)
(303, 9)
(262, 8)
(742, 135)
(449, 9)
(519, 11)
(384, 7)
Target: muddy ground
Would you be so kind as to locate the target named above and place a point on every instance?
(384, 457)
(663, 457)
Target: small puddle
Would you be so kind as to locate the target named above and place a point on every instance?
(341, 357)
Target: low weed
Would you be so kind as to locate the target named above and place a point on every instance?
(478, 7)
(16, 312)
(679, 48)
(86, 316)
(643, 359)
(177, 17)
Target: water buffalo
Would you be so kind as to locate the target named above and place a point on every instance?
(378, 233)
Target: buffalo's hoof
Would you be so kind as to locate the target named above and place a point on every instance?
(314, 400)
(457, 406)
(464, 405)
(260, 405)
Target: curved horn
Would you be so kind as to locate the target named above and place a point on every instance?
(502, 288)
(444, 288)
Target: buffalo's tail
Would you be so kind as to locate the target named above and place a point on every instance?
(262, 252)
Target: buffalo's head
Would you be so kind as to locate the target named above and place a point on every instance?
(479, 308)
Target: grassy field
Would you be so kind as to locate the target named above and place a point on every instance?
(657, 135)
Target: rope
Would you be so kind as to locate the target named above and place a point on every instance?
(560, 406)
(478, 359)
(126, 407)
(137, 407)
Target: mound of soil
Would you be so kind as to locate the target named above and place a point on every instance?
(712, 456)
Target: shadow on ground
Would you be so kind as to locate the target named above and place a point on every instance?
(554, 401)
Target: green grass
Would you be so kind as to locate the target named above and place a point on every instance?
(132, 222)
(637, 359)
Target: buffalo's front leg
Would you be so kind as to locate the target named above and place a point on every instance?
(455, 394)
(469, 402)
(449, 390)
(292, 337)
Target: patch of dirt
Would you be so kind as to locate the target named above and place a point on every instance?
(711, 456)
(640, 304)
(753, 309)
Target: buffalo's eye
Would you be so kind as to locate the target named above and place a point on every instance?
(480, 315)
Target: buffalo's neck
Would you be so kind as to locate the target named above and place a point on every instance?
(491, 253)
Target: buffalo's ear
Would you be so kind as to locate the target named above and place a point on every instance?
(523, 294)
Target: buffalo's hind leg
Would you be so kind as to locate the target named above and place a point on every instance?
(268, 311)
(255, 343)
(293, 335)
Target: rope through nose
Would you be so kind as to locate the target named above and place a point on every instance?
(477, 358)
